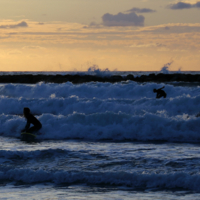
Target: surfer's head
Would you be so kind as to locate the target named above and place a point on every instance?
(26, 111)
(154, 90)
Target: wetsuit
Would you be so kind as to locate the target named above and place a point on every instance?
(32, 120)
(160, 93)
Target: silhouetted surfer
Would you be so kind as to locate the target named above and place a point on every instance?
(198, 115)
(160, 92)
(31, 120)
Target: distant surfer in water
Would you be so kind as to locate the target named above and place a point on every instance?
(31, 120)
(198, 115)
(160, 92)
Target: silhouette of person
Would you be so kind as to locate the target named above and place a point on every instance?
(160, 92)
(31, 120)
(198, 115)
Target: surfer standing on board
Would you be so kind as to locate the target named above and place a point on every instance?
(160, 92)
(31, 120)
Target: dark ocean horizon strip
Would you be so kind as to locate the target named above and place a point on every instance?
(98, 77)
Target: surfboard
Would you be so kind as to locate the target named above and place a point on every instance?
(28, 136)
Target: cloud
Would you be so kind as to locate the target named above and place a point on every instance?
(121, 19)
(33, 47)
(93, 25)
(141, 10)
(173, 28)
(21, 24)
(146, 45)
(182, 5)
(166, 27)
(14, 52)
(197, 4)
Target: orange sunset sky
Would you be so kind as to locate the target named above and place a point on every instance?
(123, 35)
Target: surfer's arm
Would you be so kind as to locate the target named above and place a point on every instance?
(161, 88)
(27, 126)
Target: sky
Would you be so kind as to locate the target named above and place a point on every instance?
(122, 35)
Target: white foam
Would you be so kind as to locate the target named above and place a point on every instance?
(108, 126)
(97, 111)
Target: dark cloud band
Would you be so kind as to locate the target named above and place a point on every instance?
(182, 5)
(141, 10)
(121, 19)
(21, 24)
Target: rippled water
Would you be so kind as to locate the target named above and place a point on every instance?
(98, 170)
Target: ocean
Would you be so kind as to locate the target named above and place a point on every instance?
(101, 140)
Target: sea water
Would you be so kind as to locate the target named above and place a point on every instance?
(101, 141)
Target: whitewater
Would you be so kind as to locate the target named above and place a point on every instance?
(101, 141)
